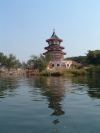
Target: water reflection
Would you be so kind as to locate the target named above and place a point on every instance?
(92, 82)
(54, 89)
(56, 121)
(8, 84)
(55, 96)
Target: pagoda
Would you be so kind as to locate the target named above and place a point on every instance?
(54, 48)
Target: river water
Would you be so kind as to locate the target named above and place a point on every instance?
(49, 104)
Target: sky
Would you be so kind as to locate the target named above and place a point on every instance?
(26, 24)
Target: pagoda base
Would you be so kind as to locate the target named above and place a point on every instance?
(54, 64)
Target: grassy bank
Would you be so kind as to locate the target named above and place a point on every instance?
(64, 72)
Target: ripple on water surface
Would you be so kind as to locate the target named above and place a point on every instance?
(49, 105)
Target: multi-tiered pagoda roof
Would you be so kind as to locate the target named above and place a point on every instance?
(54, 45)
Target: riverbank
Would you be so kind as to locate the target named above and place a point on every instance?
(13, 72)
(64, 72)
(91, 70)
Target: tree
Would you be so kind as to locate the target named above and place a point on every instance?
(3, 59)
(24, 65)
(11, 61)
(17, 64)
(93, 57)
(40, 62)
(79, 59)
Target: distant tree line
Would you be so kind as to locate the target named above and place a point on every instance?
(92, 57)
(79, 59)
(40, 62)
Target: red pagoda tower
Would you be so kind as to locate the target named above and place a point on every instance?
(54, 48)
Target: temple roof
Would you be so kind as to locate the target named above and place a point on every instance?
(54, 37)
(57, 51)
(54, 46)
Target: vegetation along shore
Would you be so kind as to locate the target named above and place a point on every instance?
(38, 65)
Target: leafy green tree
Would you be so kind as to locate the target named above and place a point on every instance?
(24, 65)
(3, 59)
(11, 61)
(93, 57)
(17, 64)
(40, 62)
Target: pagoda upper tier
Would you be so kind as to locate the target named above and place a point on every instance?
(54, 47)
(54, 37)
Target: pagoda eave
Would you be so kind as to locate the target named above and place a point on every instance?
(60, 40)
(56, 47)
(53, 52)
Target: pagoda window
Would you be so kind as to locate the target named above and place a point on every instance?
(53, 65)
(56, 42)
(52, 42)
(49, 42)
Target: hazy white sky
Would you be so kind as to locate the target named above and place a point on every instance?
(26, 24)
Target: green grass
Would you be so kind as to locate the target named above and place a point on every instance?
(64, 72)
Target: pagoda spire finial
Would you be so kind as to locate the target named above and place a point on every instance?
(54, 32)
